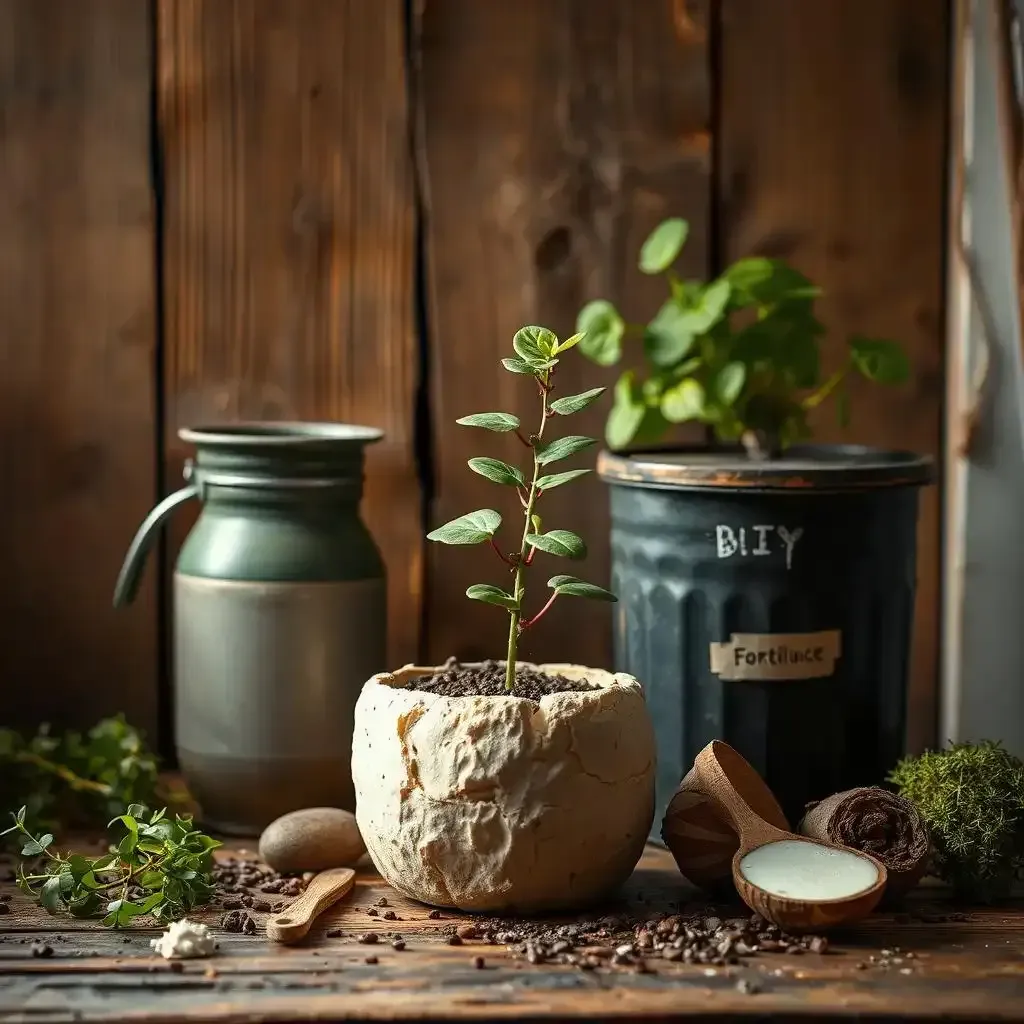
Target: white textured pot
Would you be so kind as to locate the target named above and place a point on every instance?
(499, 803)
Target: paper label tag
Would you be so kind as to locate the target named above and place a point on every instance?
(777, 655)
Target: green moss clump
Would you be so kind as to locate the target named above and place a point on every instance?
(972, 799)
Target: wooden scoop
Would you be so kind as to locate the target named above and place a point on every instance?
(326, 888)
(726, 775)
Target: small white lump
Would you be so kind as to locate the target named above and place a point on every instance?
(183, 940)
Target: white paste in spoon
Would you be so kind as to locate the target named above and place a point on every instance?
(806, 871)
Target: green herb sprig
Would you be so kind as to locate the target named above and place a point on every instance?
(739, 354)
(72, 778)
(160, 866)
(537, 350)
(972, 798)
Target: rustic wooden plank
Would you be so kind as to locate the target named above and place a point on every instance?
(289, 240)
(969, 969)
(357, 992)
(398, 991)
(833, 155)
(77, 329)
(555, 136)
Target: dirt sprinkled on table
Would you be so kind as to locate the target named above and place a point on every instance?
(628, 941)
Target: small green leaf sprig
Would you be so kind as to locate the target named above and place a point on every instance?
(160, 866)
(537, 355)
(739, 354)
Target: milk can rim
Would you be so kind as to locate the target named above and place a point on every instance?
(278, 433)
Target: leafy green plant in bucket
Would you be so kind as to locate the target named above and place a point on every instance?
(537, 352)
(739, 354)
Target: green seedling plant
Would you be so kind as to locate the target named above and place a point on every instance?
(159, 866)
(739, 354)
(537, 356)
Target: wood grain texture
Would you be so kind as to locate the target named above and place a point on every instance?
(833, 156)
(554, 137)
(966, 970)
(77, 330)
(288, 246)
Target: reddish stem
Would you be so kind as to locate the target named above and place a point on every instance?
(529, 557)
(523, 439)
(501, 554)
(541, 613)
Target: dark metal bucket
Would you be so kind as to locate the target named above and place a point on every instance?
(770, 605)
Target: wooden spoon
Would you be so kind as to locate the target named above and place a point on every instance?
(726, 774)
(326, 888)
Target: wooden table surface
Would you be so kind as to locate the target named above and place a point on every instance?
(969, 970)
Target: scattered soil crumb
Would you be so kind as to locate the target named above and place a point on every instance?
(238, 921)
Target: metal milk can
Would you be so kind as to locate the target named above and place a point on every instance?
(279, 617)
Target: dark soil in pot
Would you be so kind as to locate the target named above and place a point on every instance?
(488, 680)
(769, 604)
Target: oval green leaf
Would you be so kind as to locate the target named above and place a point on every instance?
(881, 361)
(534, 344)
(498, 471)
(574, 403)
(683, 402)
(570, 586)
(627, 413)
(546, 483)
(519, 366)
(729, 382)
(499, 422)
(564, 346)
(757, 280)
(709, 307)
(472, 528)
(603, 328)
(669, 336)
(663, 245)
(562, 448)
(564, 543)
(492, 595)
(50, 895)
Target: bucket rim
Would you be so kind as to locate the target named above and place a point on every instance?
(803, 468)
(277, 434)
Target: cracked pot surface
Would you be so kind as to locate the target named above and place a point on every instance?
(500, 803)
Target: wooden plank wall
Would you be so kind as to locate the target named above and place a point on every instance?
(288, 240)
(839, 167)
(343, 190)
(588, 123)
(77, 330)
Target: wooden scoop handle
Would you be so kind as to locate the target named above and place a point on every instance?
(326, 888)
(725, 774)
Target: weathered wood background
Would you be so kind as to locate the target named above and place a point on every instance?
(213, 209)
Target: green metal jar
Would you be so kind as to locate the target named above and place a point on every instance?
(279, 617)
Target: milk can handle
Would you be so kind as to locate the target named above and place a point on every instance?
(135, 560)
